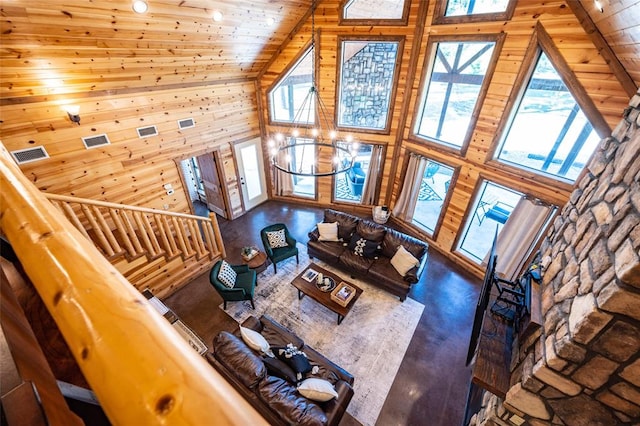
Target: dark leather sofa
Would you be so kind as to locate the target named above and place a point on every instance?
(378, 271)
(275, 398)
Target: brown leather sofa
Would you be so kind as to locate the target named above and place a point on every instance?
(377, 271)
(276, 398)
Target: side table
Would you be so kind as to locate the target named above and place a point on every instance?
(259, 262)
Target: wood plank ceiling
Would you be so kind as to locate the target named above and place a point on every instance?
(57, 47)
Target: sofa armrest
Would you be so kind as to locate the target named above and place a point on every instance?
(314, 234)
(253, 323)
(334, 409)
(413, 275)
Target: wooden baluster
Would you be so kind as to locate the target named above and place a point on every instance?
(73, 218)
(125, 215)
(208, 235)
(170, 234)
(102, 240)
(193, 232)
(177, 226)
(106, 229)
(122, 231)
(200, 239)
(163, 235)
(151, 233)
(137, 216)
(218, 235)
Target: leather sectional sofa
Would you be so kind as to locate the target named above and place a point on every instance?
(376, 269)
(276, 398)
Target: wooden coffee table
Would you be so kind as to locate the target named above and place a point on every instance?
(324, 298)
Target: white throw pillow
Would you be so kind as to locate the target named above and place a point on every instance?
(402, 261)
(328, 231)
(227, 275)
(255, 340)
(277, 239)
(317, 390)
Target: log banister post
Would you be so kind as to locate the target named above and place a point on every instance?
(218, 235)
(139, 367)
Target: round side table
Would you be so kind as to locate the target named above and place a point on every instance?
(259, 262)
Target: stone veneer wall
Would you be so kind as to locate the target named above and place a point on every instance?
(583, 366)
(367, 78)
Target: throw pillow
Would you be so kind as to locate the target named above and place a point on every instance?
(328, 231)
(255, 340)
(402, 261)
(278, 368)
(277, 239)
(294, 358)
(227, 275)
(317, 389)
(363, 247)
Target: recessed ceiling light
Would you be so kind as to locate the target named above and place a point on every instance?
(217, 15)
(270, 21)
(140, 6)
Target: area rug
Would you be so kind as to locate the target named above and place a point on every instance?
(370, 343)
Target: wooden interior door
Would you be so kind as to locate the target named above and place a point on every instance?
(212, 187)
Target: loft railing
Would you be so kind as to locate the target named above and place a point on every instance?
(139, 367)
(119, 229)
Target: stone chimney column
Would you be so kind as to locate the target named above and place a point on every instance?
(583, 366)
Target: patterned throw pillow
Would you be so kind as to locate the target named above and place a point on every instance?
(294, 358)
(363, 247)
(227, 275)
(277, 239)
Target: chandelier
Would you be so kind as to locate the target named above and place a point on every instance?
(292, 151)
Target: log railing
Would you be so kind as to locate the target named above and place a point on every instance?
(139, 367)
(118, 229)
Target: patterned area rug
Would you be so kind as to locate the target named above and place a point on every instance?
(370, 343)
(427, 193)
(343, 192)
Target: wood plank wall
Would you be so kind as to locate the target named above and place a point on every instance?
(130, 170)
(575, 46)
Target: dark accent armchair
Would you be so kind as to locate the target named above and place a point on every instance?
(279, 253)
(246, 282)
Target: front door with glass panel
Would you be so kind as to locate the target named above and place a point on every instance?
(251, 172)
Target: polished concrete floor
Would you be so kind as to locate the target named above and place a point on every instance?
(431, 385)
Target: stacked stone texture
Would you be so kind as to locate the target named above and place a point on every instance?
(583, 366)
(366, 80)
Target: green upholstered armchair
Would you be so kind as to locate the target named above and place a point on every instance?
(242, 290)
(276, 254)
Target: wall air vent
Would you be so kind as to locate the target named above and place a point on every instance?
(28, 155)
(186, 123)
(145, 132)
(95, 141)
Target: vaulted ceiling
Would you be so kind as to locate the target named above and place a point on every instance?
(56, 47)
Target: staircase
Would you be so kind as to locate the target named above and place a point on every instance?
(151, 248)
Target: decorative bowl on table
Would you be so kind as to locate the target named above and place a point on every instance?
(326, 285)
